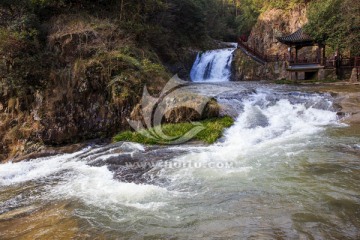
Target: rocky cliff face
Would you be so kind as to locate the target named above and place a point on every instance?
(88, 90)
(271, 24)
(274, 23)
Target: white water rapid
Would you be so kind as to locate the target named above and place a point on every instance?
(265, 127)
(287, 169)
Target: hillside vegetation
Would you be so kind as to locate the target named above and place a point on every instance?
(74, 70)
(154, 30)
(335, 22)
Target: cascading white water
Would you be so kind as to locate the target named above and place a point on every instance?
(78, 180)
(214, 66)
(264, 126)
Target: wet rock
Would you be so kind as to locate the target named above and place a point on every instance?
(37, 150)
(176, 109)
(47, 223)
(341, 114)
(18, 212)
(257, 119)
(350, 106)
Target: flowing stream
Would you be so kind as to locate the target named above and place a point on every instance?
(287, 169)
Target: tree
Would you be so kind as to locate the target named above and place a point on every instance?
(335, 22)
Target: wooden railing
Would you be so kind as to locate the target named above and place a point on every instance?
(347, 62)
(343, 63)
(253, 51)
(304, 60)
(328, 63)
(357, 62)
(261, 55)
(357, 66)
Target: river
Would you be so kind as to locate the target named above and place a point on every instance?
(287, 169)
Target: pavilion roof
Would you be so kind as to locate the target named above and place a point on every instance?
(297, 38)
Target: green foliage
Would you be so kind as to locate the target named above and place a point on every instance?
(21, 68)
(9, 39)
(177, 23)
(212, 132)
(131, 62)
(323, 17)
(124, 72)
(129, 73)
(284, 81)
(219, 18)
(250, 11)
(329, 80)
(335, 22)
(150, 67)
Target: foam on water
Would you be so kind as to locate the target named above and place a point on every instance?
(96, 186)
(14, 173)
(77, 180)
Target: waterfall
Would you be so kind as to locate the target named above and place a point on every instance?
(214, 65)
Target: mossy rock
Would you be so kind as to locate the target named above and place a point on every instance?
(212, 130)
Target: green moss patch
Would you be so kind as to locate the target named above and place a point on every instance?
(213, 130)
(284, 81)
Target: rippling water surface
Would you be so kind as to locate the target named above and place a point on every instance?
(287, 169)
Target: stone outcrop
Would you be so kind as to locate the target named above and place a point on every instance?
(346, 100)
(271, 24)
(350, 106)
(274, 23)
(25, 222)
(247, 69)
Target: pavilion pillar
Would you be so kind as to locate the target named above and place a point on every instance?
(290, 48)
